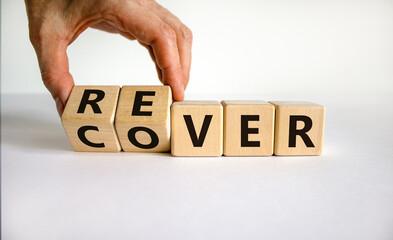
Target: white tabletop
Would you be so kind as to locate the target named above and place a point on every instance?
(51, 192)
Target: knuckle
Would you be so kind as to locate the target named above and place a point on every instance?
(145, 2)
(168, 33)
(48, 77)
(34, 38)
(186, 33)
(37, 35)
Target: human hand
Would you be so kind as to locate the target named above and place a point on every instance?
(55, 24)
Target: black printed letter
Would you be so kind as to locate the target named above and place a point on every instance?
(245, 131)
(153, 136)
(197, 142)
(82, 136)
(138, 102)
(301, 132)
(93, 103)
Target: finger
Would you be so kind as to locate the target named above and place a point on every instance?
(104, 26)
(107, 27)
(149, 29)
(127, 35)
(153, 58)
(184, 38)
(53, 61)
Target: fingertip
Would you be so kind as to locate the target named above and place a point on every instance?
(185, 82)
(178, 92)
(60, 86)
(60, 106)
(179, 97)
(66, 92)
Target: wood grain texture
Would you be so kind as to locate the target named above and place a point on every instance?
(256, 116)
(287, 111)
(155, 117)
(199, 112)
(105, 134)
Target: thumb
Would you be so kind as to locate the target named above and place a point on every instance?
(53, 61)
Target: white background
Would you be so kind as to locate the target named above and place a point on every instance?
(247, 48)
(51, 192)
(335, 53)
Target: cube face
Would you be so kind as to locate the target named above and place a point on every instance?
(197, 128)
(299, 128)
(88, 118)
(248, 128)
(143, 118)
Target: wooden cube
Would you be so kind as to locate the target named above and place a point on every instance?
(197, 128)
(248, 128)
(88, 118)
(299, 128)
(143, 118)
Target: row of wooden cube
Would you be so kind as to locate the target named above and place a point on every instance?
(143, 119)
